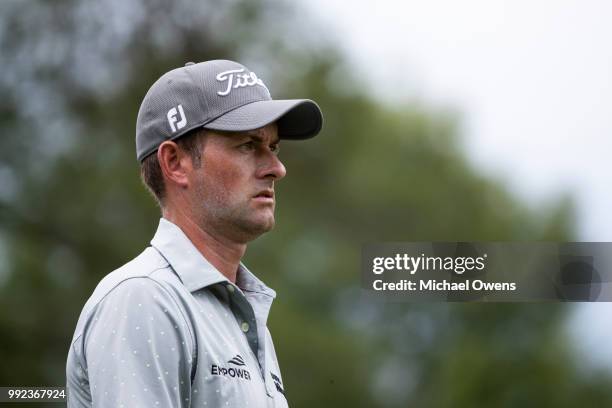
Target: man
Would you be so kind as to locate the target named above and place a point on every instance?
(184, 323)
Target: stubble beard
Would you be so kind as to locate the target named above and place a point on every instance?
(238, 221)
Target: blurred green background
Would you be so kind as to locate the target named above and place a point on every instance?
(72, 209)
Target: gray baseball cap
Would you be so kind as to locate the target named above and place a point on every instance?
(218, 95)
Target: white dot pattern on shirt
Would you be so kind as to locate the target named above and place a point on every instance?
(130, 357)
(154, 350)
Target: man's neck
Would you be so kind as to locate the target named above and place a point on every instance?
(223, 254)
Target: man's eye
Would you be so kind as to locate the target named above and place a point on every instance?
(247, 146)
(275, 148)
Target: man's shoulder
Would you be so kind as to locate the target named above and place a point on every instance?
(148, 272)
(143, 288)
(148, 265)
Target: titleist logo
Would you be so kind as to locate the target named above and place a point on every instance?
(237, 79)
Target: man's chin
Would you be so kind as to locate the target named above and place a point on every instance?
(264, 219)
(266, 225)
(255, 228)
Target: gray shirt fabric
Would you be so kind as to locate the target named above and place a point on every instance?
(169, 330)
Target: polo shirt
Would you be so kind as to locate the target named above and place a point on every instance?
(169, 330)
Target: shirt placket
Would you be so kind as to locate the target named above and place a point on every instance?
(244, 313)
(245, 318)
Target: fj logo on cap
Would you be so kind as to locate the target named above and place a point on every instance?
(172, 118)
(236, 79)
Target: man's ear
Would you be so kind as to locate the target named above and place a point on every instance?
(175, 164)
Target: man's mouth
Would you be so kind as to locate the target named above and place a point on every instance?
(265, 193)
(265, 196)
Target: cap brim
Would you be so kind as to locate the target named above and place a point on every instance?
(296, 118)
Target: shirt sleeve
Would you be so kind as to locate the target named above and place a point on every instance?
(138, 348)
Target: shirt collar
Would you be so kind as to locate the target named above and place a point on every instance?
(192, 268)
(248, 282)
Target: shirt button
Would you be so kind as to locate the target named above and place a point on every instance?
(230, 288)
(244, 326)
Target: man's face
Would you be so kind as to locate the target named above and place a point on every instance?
(233, 190)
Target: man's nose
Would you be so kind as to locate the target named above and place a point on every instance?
(272, 167)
